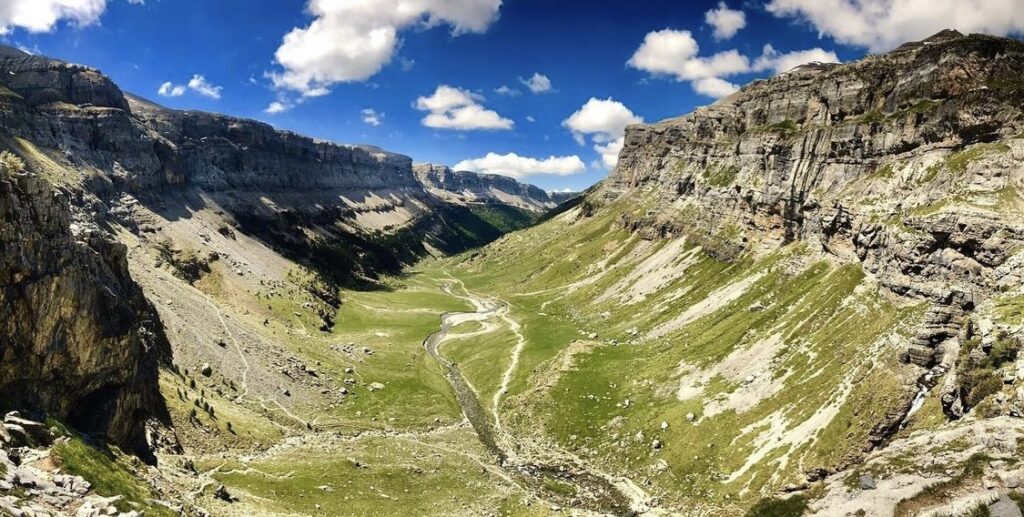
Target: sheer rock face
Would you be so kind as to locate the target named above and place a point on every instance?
(77, 337)
(473, 187)
(217, 152)
(898, 161)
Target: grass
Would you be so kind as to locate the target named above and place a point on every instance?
(110, 473)
(937, 493)
(431, 475)
(792, 507)
(722, 176)
(957, 163)
(1010, 309)
(784, 127)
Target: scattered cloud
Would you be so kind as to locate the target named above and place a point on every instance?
(605, 121)
(200, 85)
(277, 107)
(516, 166)
(529, 118)
(450, 107)
(714, 87)
(778, 63)
(507, 91)
(676, 54)
(537, 83)
(350, 41)
(43, 15)
(371, 117)
(169, 89)
(726, 22)
(880, 25)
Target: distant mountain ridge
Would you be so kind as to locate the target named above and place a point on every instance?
(473, 187)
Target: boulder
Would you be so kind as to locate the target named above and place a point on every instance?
(1004, 507)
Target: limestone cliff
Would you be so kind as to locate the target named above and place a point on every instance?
(77, 337)
(907, 162)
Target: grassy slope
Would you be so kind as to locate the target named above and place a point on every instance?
(831, 320)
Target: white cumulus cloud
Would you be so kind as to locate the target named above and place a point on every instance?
(43, 15)
(537, 83)
(778, 63)
(675, 53)
(880, 25)
(170, 89)
(714, 87)
(450, 107)
(200, 85)
(726, 22)
(372, 117)
(351, 40)
(605, 121)
(516, 166)
(277, 107)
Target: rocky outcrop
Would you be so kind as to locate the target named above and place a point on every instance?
(40, 80)
(77, 338)
(898, 161)
(472, 187)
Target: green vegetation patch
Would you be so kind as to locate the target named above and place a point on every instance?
(941, 492)
(385, 476)
(108, 472)
(958, 162)
(722, 176)
(792, 507)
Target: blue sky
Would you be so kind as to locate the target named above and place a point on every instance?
(653, 59)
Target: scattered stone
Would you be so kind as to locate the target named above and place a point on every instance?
(866, 482)
(1008, 480)
(375, 386)
(17, 434)
(37, 430)
(206, 370)
(690, 417)
(656, 444)
(664, 425)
